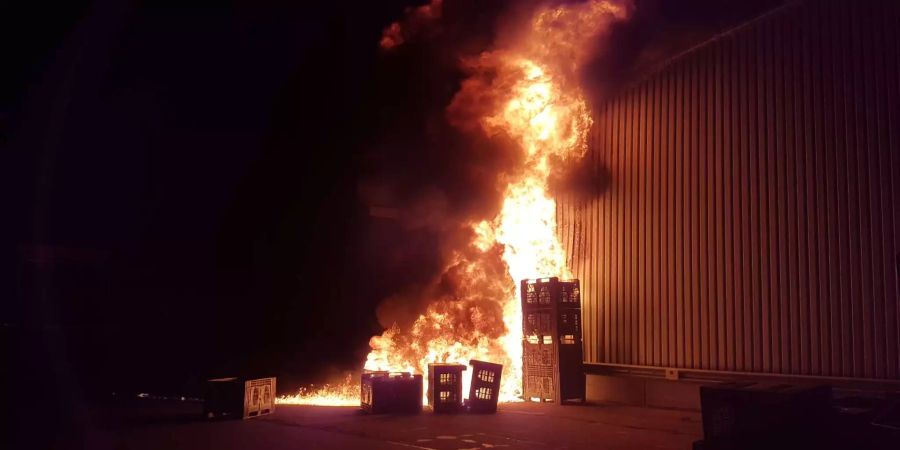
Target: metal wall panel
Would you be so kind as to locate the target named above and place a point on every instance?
(753, 219)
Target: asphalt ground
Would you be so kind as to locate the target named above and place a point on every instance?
(175, 425)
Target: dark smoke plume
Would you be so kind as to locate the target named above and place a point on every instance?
(425, 175)
(426, 179)
(432, 172)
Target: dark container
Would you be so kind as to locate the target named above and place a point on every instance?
(761, 415)
(865, 421)
(484, 390)
(236, 397)
(553, 369)
(391, 392)
(445, 387)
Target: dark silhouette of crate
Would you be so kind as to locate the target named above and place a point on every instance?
(391, 392)
(763, 415)
(236, 397)
(484, 390)
(445, 387)
(552, 353)
(224, 398)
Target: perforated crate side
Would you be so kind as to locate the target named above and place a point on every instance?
(546, 292)
(445, 387)
(539, 384)
(539, 371)
(569, 326)
(539, 293)
(484, 389)
(570, 293)
(538, 323)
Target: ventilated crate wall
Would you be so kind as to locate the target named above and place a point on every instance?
(445, 387)
(552, 345)
(484, 390)
(539, 347)
(752, 223)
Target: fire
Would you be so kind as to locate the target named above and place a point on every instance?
(535, 100)
(343, 394)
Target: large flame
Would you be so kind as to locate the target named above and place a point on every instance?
(536, 102)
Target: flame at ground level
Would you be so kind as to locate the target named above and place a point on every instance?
(342, 394)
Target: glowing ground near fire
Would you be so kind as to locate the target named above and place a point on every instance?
(541, 108)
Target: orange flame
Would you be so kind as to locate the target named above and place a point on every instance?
(536, 101)
(343, 394)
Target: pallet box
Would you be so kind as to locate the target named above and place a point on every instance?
(234, 397)
(391, 392)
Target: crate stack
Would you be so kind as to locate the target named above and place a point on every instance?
(445, 387)
(552, 349)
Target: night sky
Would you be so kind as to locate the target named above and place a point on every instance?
(185, 183)
(191, 170)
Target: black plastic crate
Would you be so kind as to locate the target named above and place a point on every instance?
(539, 372)
(749, 415)
(236, 397)
(484, 390)
(391, 392)
(552, 347)
(544, 292)
(445, 387)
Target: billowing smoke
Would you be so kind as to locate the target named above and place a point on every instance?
(429, 176)
(416, 20)
(436, 170)
(453, 145)
(438, 176)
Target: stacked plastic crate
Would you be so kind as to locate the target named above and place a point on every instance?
(552, 349)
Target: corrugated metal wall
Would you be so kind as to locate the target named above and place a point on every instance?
(753, 219)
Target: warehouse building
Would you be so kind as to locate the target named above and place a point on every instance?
(751, 229)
